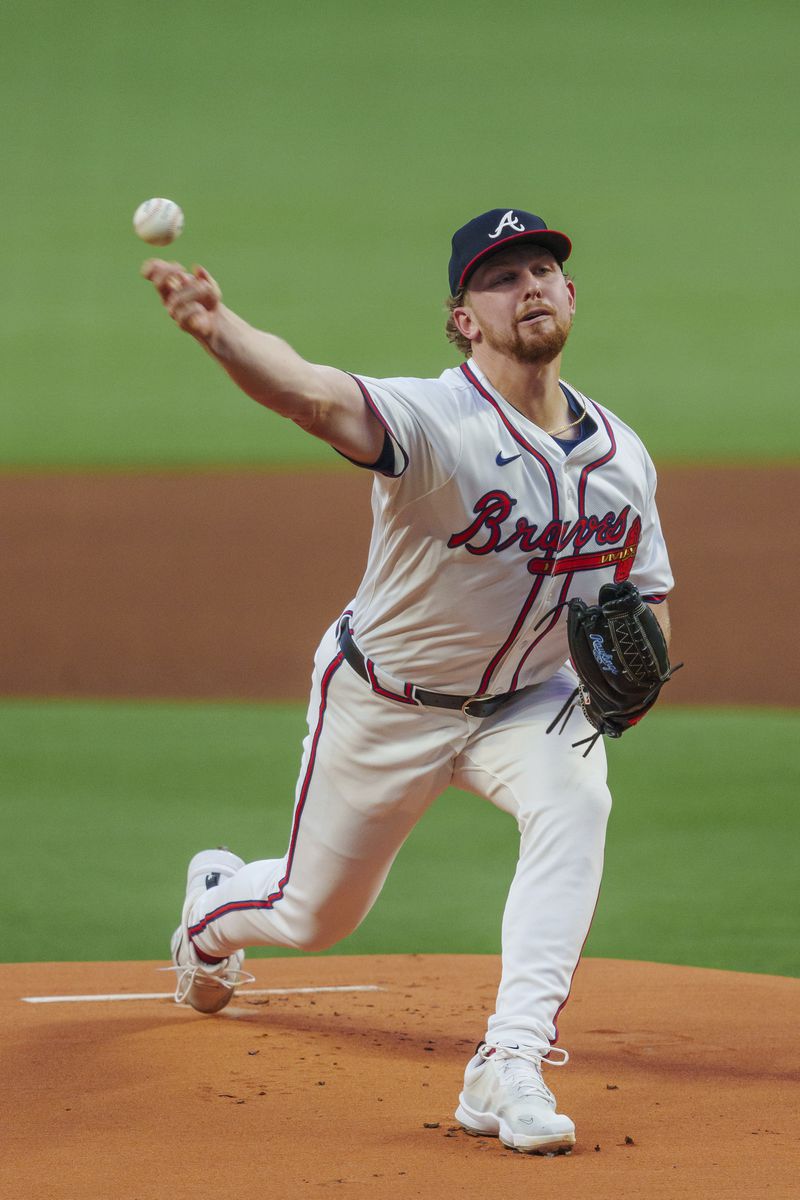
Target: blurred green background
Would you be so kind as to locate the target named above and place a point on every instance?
(323, 156)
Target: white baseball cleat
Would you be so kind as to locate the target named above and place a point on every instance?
(505, 1096)
(207, 987)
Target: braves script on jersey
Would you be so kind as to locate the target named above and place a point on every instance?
(486, 526)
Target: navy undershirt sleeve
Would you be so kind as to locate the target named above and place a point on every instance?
(384, 464)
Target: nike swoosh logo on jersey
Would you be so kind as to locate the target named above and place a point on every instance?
(502, 461)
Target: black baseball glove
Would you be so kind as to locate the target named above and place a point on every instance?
(620, 655)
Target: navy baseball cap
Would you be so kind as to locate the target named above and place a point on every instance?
(483, 235)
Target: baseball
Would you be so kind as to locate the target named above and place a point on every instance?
(158, 221)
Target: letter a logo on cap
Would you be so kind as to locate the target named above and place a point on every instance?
(509, 221)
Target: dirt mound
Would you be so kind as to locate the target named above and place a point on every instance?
(681, 1084)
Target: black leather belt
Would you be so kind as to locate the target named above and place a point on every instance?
(472, 706)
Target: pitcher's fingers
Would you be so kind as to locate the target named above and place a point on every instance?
(179, 307)
(181, 288)
(155, 269)
(196, 320)
(204, 275)
(174, 283)
(184, 312)
(149, 266)
(194, 291)
(167, 277)
(196, 287)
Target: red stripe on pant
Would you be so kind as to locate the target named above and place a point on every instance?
(271, 900)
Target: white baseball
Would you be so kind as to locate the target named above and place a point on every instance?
(158, 221)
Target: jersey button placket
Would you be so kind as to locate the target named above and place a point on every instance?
(568, 496)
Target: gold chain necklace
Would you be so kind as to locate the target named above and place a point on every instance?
(564, 428)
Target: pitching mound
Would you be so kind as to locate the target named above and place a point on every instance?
(681, 1084)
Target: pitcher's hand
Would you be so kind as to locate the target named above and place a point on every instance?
(192, 298)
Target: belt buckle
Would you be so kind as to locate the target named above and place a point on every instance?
(466, 704)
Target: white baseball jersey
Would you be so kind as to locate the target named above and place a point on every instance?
(485, 526)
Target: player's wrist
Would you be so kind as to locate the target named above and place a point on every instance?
(225, 336)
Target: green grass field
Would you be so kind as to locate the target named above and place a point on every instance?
(324, 155)
(105, 803)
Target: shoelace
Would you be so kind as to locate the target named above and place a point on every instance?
(186, 976)
(523, 1068)
(566, 712)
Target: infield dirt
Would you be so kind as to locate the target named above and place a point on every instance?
(678, 1085)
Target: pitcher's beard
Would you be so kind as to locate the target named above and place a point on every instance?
(546, 346)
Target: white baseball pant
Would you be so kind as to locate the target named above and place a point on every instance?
(371, 767)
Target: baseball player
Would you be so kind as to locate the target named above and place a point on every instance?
(500, 492)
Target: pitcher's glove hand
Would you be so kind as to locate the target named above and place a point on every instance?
(620, 655)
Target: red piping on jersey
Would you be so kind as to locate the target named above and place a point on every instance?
(270, 901)
(512, 637)
(599, 462)
(517, 436)
(373, 408)
(550, 625)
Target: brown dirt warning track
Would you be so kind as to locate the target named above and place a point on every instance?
(219, 585)
(683, 1084)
